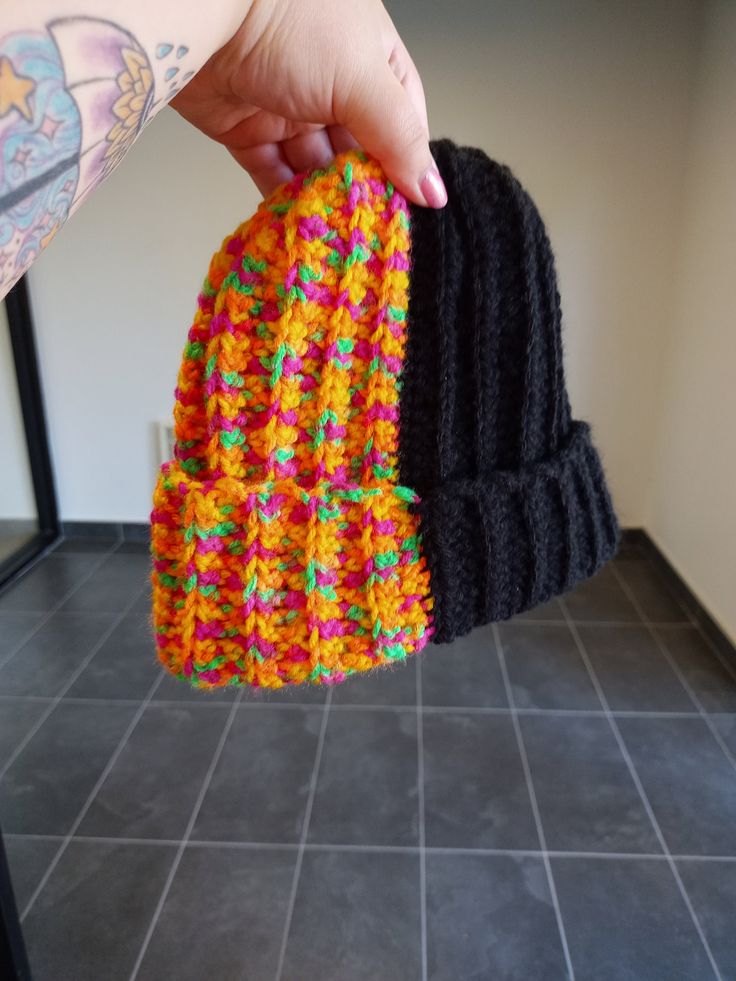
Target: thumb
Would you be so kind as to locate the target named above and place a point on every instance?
(381, 116)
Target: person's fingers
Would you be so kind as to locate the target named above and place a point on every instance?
(341, 139)
(381, 115)
(308, 151)
(405, 70)
(266, 165)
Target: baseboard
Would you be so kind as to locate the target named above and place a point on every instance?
(638, 539)
(634, 541)
(112, 531)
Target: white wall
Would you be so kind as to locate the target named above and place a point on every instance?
(691, 511)
(113, 298)
(588, 103)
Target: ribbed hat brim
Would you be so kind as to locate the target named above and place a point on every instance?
(512, 540)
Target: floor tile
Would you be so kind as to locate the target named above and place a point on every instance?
(28, 859)
(395, 685)
(475, 791)
(625, 920)
(356, 916)
(154, 782)
(223, 918)
(134, 548)
(17, 718)
(125, 666)
(654, 597)
(367, 786)
(490, 916)
(464, 673)
(46, 662)
(113, 586)
(726, 726)
(689, 781)
(46, 584)
(711, 887)
(92, 915)
(545, 611)
(632, 670)
(15, 627)
(144, 604)
(45, 787)
(587, 798)
(545, 668)
(713, 684)
(600, 598)
(260, 785)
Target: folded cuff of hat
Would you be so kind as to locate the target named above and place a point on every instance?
(507, 541)
(270, 584)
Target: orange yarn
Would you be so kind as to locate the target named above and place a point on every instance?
(284, 549)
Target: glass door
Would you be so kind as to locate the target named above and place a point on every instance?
(28, 517)
(18, 515)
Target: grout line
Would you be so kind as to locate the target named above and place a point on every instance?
(303, 837)
(10, 654)
(534, 802)
(96, 839)
(124, 541)
(187, 833)
(661, 580)
(54, 609)
(422, 822)
(658, 640)
(212, 701)
(575, 713)
(626, 624)
(372, 849)
(88, 803)
(684, 596)
(56, 699)
(642, 793)
(712, 646)
(693, 620)
(73, 701)
(473, 710)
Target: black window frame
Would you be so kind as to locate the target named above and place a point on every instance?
(13, 955)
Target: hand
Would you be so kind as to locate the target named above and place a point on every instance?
(302, 80)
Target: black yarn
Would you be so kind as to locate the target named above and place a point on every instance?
(514, 503)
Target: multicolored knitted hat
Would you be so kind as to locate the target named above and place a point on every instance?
(374, 444)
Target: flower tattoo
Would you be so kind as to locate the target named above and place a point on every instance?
(73, 99)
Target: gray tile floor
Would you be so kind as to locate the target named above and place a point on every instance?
(551, 797)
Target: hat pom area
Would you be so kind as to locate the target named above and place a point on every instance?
(285, 549)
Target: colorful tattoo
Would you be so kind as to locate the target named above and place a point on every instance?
(73, 99)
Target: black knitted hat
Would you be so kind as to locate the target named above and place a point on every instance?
(514, 507)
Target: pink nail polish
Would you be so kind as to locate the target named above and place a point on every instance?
(433, 189)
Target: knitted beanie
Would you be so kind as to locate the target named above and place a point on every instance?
(374, 444)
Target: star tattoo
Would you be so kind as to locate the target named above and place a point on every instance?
(15, 90)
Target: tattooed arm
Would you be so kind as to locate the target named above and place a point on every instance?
(283, 84)
(76, 89)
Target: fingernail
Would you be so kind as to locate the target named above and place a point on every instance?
(433, 189)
